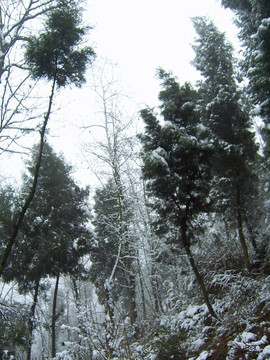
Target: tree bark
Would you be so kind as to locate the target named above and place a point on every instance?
(131, 284)
(197, 274)
(251, 233)
(109, 326)
(31, 319)
(54, 316)
(142, 289)
(133, 309)
(32, 191)
(156, 294)
(240, 229)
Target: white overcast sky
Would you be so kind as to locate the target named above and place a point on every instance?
(142, 35)
(139, 36)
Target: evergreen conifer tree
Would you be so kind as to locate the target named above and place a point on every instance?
(105, 250)
(176, 168)
(54, 55)
(9, 203)
(109, 252)
(252, 18)
(54, 235)
(222, 111)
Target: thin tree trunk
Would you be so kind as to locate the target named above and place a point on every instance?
(142, 290)
(251, 234)
(31, 319)
(131, 284)
(110, 328)
(156, 294)
(153, 278)
(32, 191)
(132, 300)
(2, 50)
(196, 271)
(201, 282)
(240, 230)
(109, 306)
(131, 287)
(82, 317)
(54, 316)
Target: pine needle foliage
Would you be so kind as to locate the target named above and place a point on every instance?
(56, 53)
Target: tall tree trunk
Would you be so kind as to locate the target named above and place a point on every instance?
(110, 326)
(153, 277)
(131, 283)
(31, 319)
(32, 191)
(54, 316)
(132, 299)
(251, 233)
(156, 293)
(240, 229)
(82, 319)
(196, 271)
(142, 289)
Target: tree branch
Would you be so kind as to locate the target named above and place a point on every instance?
(32, 191)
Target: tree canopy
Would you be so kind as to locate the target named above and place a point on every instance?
(174, 261)
(55, 235)
(55, 53)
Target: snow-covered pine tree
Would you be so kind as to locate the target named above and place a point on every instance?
(253, 21)
(234, 159)
(176, 168)
(54, 235)
(106, 251)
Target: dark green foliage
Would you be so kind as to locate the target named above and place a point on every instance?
(243, 5)
(177, 169)
(215, 51)
(8, 205)
(105, 252)
(177, 102)
(176, 157)
(252, 18)
(55, 53)
(54, 235)
(169, 347)
(63, 64)
(222, 110)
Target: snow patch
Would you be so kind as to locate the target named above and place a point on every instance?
(201, 127)
(192, 310)
(257, 110)
(265, 354)
(203, 356)
(248, 337)
(158, 155)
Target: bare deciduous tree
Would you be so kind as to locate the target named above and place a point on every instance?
(113, 149)
(18, 94)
